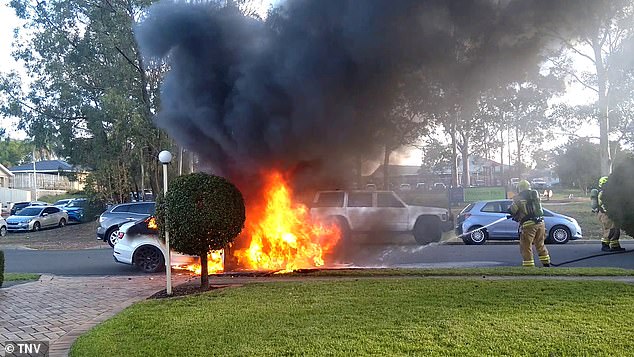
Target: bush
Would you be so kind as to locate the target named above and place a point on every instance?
(204, 212)
(1, 268)
(618, 196)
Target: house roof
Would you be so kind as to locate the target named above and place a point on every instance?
(397, 170)
(43, 166)
(5, 171)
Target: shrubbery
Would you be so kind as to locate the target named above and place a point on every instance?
(618, 195)
(204, 212)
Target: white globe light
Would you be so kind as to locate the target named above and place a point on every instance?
(165, 157)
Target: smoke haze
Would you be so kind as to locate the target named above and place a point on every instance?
(312, 83)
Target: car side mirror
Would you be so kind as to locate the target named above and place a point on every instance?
(44, 214)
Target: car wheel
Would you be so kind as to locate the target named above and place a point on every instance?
(36, 226)
(111, 237)
(149, 259)
(62, 223)
(559, 235)
(476, 236)
(3, 231)
(427, 230)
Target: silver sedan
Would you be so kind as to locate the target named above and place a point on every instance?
(34, 218)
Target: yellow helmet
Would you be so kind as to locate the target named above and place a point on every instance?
(523, 185)
(603, 180)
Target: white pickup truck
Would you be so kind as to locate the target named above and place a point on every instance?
(366, 211)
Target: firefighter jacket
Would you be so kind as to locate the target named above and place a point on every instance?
(527, 208)
(600, 201)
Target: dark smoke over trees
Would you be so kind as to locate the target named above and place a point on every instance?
(313, 84)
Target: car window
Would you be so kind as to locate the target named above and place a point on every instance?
(329, 199)
(360, 199)
(60, 202)
(76, 203)
(493, 207)
(387, 199)
(468, 208)
(121, 208)
(30, 211)
(142, 208)
(50, 210)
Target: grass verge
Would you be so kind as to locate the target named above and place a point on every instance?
(501, 271)
(408, 316)
(20, 276)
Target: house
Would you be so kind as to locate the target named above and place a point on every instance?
(398, 174)
(6, 176)
(50, 175)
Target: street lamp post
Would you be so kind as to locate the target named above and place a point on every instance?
(165, 157)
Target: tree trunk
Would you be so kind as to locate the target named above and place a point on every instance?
(466, 177)
(204, 274)
(386, 168)
(519, 152)
(502, 157)
(454, 157)
(604, 143)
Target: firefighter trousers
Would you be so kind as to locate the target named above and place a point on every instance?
(533, 234)
(611, 232)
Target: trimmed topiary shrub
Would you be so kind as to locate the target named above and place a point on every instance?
(1, 268)
(204, 212)
(618, 195)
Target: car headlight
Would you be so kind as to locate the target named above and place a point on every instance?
(101, 219)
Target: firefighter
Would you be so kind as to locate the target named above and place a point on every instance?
(611, 232)
(527, 210)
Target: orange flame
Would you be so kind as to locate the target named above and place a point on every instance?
(214, 264)
(283, 236)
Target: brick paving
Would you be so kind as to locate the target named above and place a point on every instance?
(59, 309)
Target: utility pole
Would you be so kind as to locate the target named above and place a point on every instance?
(34, 177)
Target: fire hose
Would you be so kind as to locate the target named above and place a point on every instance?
(553, 264)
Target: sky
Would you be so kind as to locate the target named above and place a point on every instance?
(574, 95)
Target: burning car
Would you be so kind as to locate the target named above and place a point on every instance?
(139, 245)
(365, 211)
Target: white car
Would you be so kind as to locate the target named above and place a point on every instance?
(3, 227)
(33, 218)
(139, 245)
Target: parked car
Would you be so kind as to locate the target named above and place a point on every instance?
(3, 227)
(365, 211)
(76, 209)
(62, 203)
(138, 244)
(439, 186)
(112, 218)
(405, 187)
(539, 184)
(559, 228)
(20, 205)
(370, 187)
(33, 218)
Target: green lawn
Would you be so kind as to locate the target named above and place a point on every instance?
(494, 271)
(383, 317)
(20, 276)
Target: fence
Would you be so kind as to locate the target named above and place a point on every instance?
(10, 195)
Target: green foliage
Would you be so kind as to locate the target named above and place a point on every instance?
(204, 212)
(91, 98)
(578, 164)
(1, 267)
(14, 152)
(618, 195)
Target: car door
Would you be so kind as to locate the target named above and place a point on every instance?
(496, 210)
(360, 210)
(391, 213)
(48, 217)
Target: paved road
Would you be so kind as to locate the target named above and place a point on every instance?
(404, 254)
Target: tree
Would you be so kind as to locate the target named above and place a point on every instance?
(91, 98)
(203, 213)
(577, 164)
(606, 33)
(15, 152)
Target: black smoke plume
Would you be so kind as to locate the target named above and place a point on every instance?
(310, 86)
